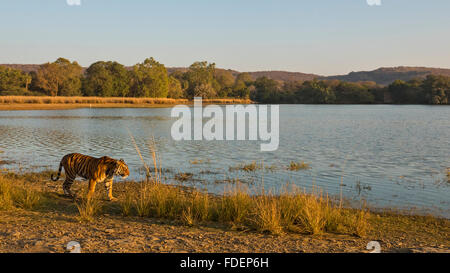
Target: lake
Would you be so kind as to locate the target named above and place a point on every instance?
(389, 155)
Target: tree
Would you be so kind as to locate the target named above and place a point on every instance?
(59, 78)
(437, 89)
(315, 92)
(225, 81)
(182, 78)
(106, 79)
(242, 85)
(149, 79)
(175, 89)
(245, 78)
(13, 79)
(348, 92)
(407, 92)
(205, 91)
(200, 77)
(266, 90)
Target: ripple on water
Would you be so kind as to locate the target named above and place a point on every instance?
(397, 155)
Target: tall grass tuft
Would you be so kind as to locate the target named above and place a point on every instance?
(187, 217)
(18, 194)
(266, 215)
(88, 208)
(142, 202)
(126, 204)
(359, 225)
(28, 198)
(312, 214)
(290, 204)
(235, 206)
(6, 199)
(200, 205)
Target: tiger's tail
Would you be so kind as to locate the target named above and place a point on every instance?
(59, 173)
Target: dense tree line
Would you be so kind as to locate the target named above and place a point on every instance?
(111, 79)
(151, 79)
(434, 89)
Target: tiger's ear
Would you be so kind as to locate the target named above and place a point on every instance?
(121, 160)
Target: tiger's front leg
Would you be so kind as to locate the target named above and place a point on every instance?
(109, 188)
(91, 191)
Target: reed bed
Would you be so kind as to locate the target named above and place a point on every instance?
(290, 211)
(108, 100)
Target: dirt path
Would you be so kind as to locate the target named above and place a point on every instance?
(50, 232)
(24, 231)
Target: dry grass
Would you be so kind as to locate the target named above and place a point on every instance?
(6, 195)
(252, 167)
(86, 100)
(16, 194)
(88, 208)
(297, 166)
(187, 217)
(28, 198)
(266, 214)
(110, 100)
(289, 211)
(126, 204)
(235, 206)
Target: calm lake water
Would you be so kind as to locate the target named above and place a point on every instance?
(391, 156)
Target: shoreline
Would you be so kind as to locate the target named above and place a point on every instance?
(17, 103)
(47, 228)
(26, 107)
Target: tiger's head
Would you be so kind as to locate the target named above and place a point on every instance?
(121, 169)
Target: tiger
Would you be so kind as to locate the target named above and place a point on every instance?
(96, 170)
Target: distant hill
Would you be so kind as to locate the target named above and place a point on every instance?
(283, 75)
(383, 76)
(24, 67)
(386, 75)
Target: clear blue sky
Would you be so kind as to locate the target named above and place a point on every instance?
(315, 36)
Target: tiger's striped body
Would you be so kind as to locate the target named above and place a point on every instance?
(95, 170)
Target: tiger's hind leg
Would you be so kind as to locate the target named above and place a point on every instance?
(66, 187)
(109, 188)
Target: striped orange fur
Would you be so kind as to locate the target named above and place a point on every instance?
(96, 170)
